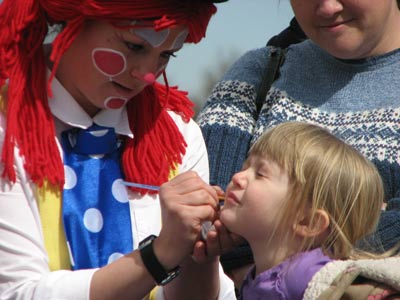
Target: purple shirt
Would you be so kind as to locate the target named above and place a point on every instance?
(286, 281)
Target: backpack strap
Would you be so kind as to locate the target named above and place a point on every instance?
(271, 73)
(293, 34)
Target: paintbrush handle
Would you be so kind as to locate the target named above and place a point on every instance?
(141, 186)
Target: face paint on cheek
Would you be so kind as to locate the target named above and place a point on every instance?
(115, 102)
(108, 61)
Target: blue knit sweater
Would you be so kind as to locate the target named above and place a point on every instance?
(357, 100)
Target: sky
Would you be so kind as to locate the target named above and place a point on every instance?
(238, 26)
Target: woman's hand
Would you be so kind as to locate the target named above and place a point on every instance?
(186, 202)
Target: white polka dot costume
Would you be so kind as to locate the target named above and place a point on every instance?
(95, 202)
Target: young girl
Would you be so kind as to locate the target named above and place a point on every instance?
(80, 118)
(302, 199)
(344, 77)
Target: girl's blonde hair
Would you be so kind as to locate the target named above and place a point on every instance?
(325, 173)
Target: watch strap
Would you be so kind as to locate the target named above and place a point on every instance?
(153, 265)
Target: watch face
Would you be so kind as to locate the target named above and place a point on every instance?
(147, 241)
(171, 275)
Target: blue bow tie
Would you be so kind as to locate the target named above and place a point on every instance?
(93, 140)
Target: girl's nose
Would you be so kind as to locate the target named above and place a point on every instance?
(329, 8)
(240, 179)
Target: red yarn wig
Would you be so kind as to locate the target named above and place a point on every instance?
(158, 145)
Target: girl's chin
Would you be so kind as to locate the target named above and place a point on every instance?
(227, 218)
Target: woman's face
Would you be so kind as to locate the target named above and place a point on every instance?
(108, 65)
(350, 29)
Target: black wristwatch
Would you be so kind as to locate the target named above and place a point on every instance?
(157, 271)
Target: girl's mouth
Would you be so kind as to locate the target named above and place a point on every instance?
(231, 198)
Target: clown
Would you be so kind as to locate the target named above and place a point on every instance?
(79, 118)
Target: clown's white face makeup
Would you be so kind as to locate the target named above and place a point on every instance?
(157, 38)
(154, 38)
(106, 66)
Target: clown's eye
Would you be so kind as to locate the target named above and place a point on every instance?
(168, 55)
(133, 46)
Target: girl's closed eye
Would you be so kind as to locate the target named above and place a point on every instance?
(261, 174)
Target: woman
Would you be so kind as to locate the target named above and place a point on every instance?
(83, 118)
(343, 78)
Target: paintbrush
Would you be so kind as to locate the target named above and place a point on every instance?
(141, 185)
(221, 198)
(206, 226)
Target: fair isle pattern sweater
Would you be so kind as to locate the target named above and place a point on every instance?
(357, 100)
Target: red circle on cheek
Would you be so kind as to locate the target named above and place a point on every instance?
(115, 103)
(109, 62)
